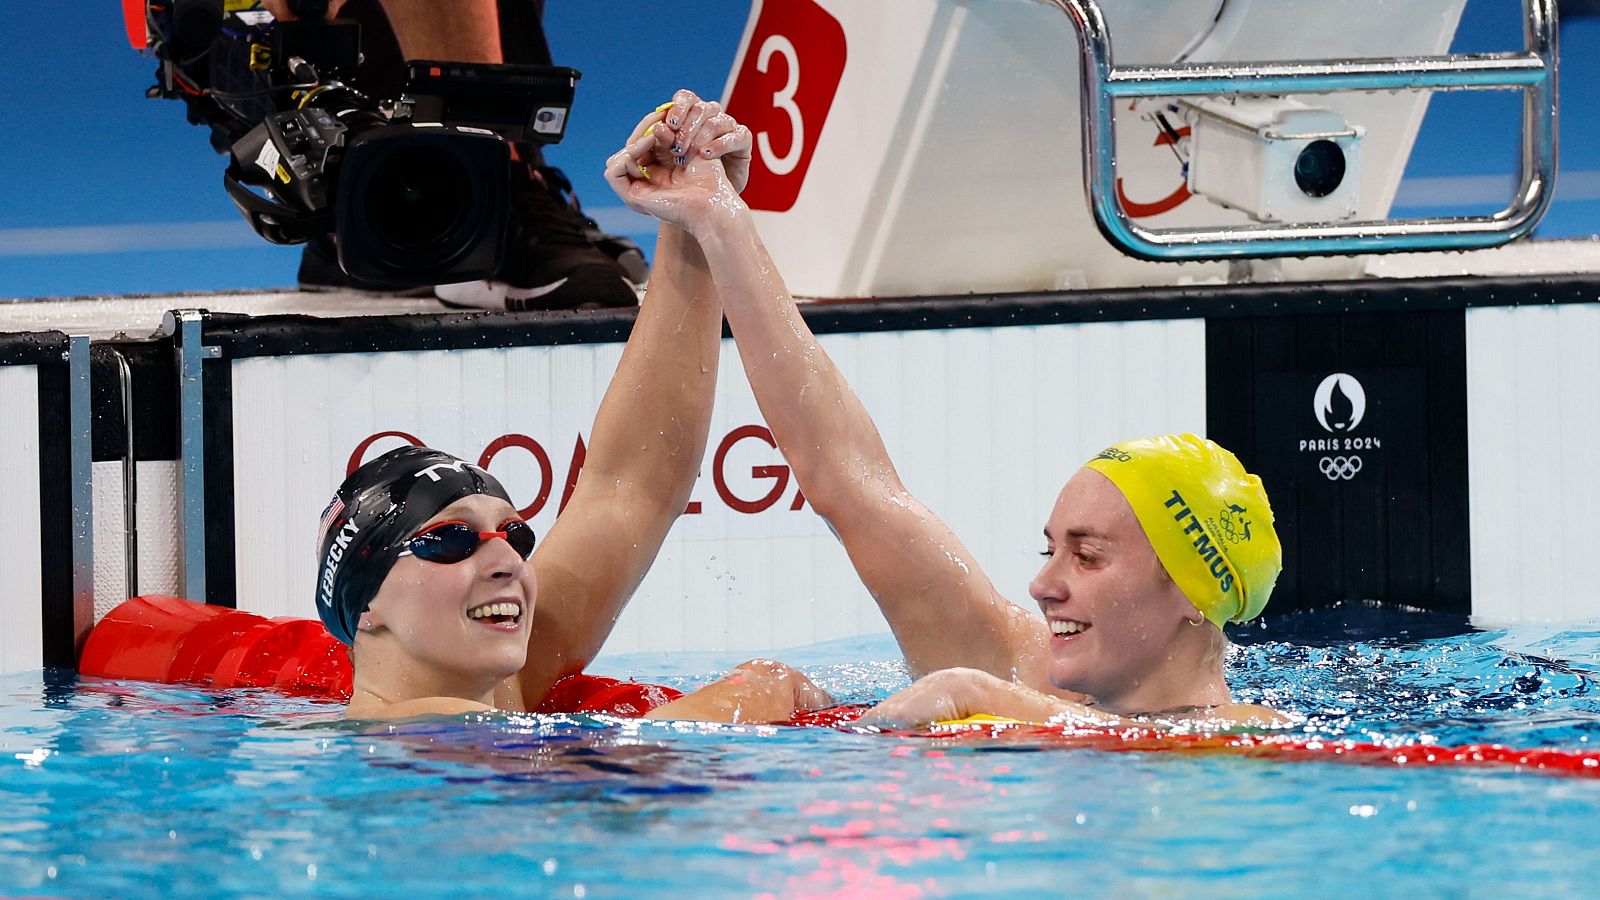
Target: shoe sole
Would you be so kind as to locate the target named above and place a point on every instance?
(583, 288)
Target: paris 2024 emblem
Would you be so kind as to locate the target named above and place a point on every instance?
(1339, 406)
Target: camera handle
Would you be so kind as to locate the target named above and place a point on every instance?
(277, 222)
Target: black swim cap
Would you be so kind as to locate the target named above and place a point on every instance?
(376, 510)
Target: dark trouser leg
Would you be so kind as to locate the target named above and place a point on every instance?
(522, 37)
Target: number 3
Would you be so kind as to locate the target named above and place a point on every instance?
(783, 100)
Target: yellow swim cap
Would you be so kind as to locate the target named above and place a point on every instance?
(1207, 518)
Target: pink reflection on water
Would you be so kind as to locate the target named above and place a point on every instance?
(879, 838)
(850, 858)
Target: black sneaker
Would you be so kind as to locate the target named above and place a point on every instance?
(319, 271)
(556, 257)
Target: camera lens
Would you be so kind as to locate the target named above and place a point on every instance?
(418, 198)
(421, 206)
(1319, 170)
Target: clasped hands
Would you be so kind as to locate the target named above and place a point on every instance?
(684, 164)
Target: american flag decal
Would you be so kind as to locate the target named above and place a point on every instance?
(328, 517)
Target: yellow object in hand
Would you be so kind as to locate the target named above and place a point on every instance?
(662, 108)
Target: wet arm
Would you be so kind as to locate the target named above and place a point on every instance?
(954, 694)
(943, 609)
(643, 455)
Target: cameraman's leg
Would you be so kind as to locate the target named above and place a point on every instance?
(556, 257)
(460, 31)
(522, 38)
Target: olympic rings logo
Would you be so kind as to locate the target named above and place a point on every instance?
(1339, 467)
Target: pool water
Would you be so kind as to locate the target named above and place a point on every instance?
(120, 789)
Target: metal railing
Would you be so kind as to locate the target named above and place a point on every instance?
(1532, 71)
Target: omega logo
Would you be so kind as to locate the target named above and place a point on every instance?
(727, 489)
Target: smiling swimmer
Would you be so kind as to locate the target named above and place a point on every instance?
(1207, 519)
(1151, 547)
(371, 521)
(425, 571)
(1117, 628)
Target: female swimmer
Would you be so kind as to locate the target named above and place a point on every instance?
(431, 577)
(1139, 575)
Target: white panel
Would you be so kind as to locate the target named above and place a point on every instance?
(160, 550)
(985, 425)
(949, 159)
(1533, 425)
(22, 638)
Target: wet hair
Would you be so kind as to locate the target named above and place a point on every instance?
(376, 510)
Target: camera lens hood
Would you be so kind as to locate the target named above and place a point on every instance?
(423, 204)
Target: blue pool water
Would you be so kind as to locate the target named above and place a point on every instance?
(118, 789)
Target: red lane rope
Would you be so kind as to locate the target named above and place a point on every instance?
(1283, 746)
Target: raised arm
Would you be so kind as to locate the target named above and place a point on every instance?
(943, 609)
(644, 452)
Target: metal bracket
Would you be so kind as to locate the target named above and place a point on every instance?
(130, 478)
(81, 465)
(187, 327)
(1103, 84)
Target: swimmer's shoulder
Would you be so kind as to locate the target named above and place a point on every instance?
(423, 706)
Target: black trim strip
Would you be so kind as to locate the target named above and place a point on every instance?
(243, 336)
(222, 588)
(35, 348)
(55, 506)
(155, 397)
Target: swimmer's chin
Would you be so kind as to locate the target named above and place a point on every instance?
(377, 710)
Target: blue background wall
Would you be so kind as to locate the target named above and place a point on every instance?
(104, 191)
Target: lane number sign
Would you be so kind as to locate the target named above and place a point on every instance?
(784, 90)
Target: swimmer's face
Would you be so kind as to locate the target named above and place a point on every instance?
(432, 612)
(1113, 612)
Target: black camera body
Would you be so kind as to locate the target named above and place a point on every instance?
(415, 188)
(416, 194)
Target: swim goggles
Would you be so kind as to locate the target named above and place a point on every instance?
(452, 542)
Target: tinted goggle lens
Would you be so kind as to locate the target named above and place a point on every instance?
(452, 542)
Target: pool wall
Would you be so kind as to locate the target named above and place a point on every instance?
(38, 529)
(750, 565)
(1533, 427)
(1424, 441)
(21, 642)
